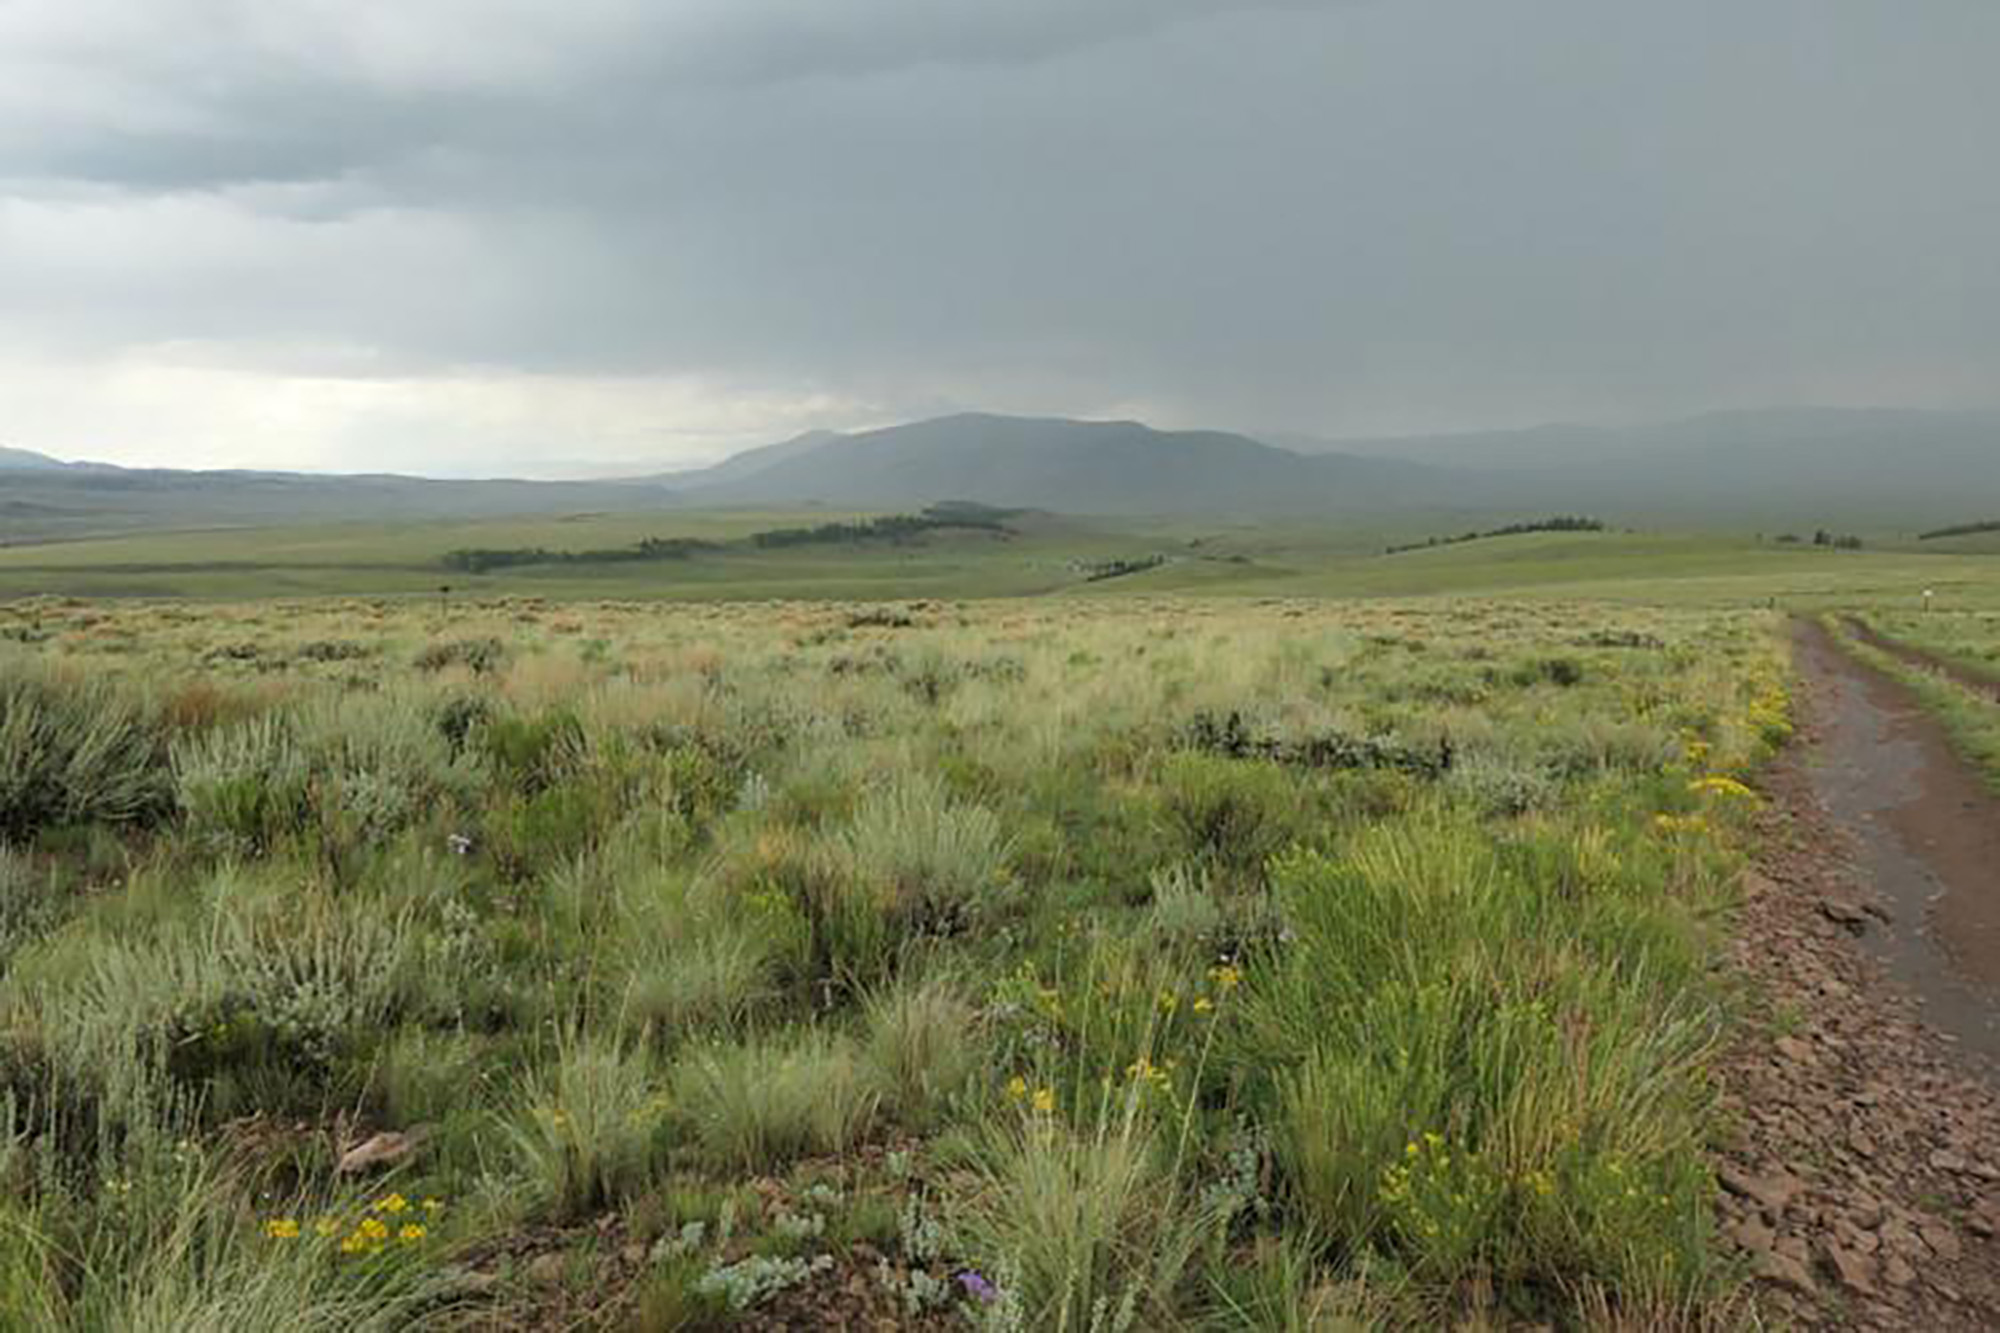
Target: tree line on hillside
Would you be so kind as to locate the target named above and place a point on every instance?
(1096, 571)
(1838, 541)
(481, 560)
(1961, 530)
(893, 528)
(1560, 523)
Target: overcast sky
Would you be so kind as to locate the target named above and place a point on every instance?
(549, 236)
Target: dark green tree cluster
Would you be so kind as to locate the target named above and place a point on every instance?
(1560, 523)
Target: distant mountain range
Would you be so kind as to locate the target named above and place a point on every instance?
(1878, 468)
(1891, 465)
(42, 497)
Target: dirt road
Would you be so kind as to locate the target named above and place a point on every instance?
(1924, 832)
(1863, 1177)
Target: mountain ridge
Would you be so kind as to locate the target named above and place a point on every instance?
(1896, 467)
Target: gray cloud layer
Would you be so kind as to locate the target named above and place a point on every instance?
(1329, 217)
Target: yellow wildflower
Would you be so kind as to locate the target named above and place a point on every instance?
(1722, 786)
(1017, 1087)
(1045, 1100)
(282, 1228)
(412, 1231)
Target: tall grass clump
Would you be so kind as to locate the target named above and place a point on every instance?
(929, 862)
(349, 773)
(711, 981)
(77, 751)
(243, 788)
(922, 1049)
(1089, 1230)
(210, 1262)
(757, 1106)
(589, 1135)
(1232, 813)
(31, 901)
(1469, 1081)
(256, 1000)
(912, 864)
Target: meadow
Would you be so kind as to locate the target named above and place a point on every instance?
(1090, 963)
(1038, 555)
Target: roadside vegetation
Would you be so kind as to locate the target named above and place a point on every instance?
(1100, 966)
(1968, 640)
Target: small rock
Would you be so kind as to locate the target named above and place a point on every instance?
(1753, 1235)
(1772, 1193)
(1798, 1052)
(1898, 1273)
(1942, 1239)
(381, 1151)
(1900, 1238)
(1947, 1161)
(1855, 1271)
(471, 1281)
(1786, 1272)
(546, 1270)
(1846, 915)
(1854, 1238)
(1756, 884)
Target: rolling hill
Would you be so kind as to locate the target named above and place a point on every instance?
(42, 498)
(1097, 467)
(25, 460)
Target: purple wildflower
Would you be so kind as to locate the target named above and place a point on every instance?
(977, 1286)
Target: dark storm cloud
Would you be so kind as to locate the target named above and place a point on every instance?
(1316, 216)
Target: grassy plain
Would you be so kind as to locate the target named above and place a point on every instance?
(1046, 555)
(1284, 935)
(1082, 963)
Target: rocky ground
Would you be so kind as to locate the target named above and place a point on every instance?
(1862, 1176)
